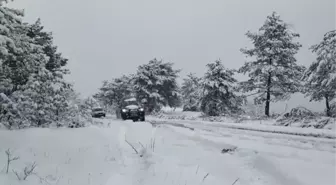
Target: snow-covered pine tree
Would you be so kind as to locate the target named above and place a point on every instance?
(12, 64)
(36, 94)
(112, 92)
(273, 73)
(219, 91)
(2, 2)
(78, 114)
(191, 92)
(9, 19)
(156, 82)
(44, 87)
(320, 77)
(103, 95)
(171, 93)
(56, 62)
(34, 99)
(175, 101)
(91, 102)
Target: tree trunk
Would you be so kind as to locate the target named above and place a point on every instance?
(268, 95)
(57, 114)
(327, 105)
(117, 112)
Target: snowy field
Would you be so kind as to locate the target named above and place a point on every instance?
(99, 155)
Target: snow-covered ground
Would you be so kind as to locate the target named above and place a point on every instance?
(270, 125)
(206, 125)
(99, 155)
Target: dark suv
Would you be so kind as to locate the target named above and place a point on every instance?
(131, 109)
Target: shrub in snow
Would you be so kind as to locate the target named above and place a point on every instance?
(218, 95)
(298, 114)
(320, 77)
(79, 112)
(273, 73)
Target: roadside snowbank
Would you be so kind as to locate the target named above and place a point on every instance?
(63, 156)
(323, 133)
(317, 127)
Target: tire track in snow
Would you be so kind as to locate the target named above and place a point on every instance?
(250, 175)
(168, 164)
(133, 168)
(253, 168)
(266, 166)
(266, 172)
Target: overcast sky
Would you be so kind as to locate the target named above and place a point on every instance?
(107, 38)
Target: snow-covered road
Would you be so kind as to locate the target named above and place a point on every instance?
(279, 158)
(99, 155)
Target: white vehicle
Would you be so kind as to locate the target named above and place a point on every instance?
(98, 112)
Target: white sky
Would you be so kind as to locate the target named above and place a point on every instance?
(107, 38)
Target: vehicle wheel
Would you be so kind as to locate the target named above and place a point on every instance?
(142, 119)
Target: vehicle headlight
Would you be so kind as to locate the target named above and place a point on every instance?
(124, 110)
(141, 109)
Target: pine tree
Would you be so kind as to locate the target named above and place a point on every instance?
(111, 93)
(78, 114)
(10, 19)
(45, 86)
(219, 87)
(4, 1)
(17, 54)
(91, 102)
(175, 100)
(320, 77)
(156, 83)
(191, 92)
(273, 74)
(55, 61)
(32, 94)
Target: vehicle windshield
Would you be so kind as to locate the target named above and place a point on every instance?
(97, 109)
(130, 101)
(127, 103)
